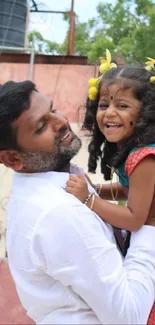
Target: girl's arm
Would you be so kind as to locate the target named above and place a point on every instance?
(108, 189)
(118, 190)
(141, 192)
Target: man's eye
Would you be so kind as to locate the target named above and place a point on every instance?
(53, 110)
(41, 128)
(103, 105)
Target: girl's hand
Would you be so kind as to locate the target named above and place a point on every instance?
(77, 186)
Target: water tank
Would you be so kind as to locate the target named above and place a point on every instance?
(12, 22)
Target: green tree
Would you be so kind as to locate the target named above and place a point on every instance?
(42, 45)
(127, 27)
(82, 36)
(130, 26)
(144, 34)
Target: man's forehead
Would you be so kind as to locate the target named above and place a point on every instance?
(37, 101)
(39, 106)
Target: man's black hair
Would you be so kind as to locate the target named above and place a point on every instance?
(14, 100)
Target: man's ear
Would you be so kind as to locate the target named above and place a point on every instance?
(11, 159)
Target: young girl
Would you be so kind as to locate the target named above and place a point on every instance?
(121, 116)
(120, 113)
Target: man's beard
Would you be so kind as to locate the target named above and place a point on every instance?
(35, 162)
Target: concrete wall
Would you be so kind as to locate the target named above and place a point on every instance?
(66, 85)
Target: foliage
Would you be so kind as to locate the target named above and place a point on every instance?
(126, 27)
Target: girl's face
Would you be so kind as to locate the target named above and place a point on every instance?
(118, 111)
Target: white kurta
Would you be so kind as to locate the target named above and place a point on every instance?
(64, 260)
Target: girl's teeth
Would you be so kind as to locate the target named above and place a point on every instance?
(112, 124)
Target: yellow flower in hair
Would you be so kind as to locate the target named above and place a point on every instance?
(106, 63)
(152, 79)
(149, 67)
(93, 91)
(104, 66)
(150, 64)
(150, 61)
(92, 82)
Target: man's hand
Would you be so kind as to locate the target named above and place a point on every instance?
(77, 186)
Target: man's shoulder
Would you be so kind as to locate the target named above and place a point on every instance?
(39, 197)
(39, 212)
(42, 197)
(40, 190)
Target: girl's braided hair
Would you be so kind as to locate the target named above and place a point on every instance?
(138, 79)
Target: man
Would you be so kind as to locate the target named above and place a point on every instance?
(63, 258)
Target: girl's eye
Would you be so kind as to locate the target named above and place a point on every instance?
(103, 105)
(122, 106)
(53, 110)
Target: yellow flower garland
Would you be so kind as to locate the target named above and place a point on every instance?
(150, 65)
(105, 65)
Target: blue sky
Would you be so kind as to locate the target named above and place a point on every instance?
(52, 26)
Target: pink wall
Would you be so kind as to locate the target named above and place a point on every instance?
(67, 85)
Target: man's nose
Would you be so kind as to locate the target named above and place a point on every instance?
(58, 121)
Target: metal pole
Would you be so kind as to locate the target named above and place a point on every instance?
(50, 11)
(27, 24)
(71, 31)
(22, 50)
(32, 57)
(16, 49)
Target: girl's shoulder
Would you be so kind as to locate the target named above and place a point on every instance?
(136, 155)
